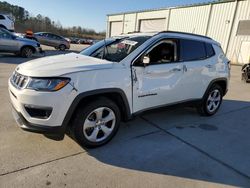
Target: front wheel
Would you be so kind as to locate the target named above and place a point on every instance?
(62, 47)
(26, 52)
(211, 102)
(96, 123)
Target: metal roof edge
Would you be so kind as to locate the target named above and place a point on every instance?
(177, 7)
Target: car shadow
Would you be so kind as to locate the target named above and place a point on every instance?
(158, 151)
(8, 58)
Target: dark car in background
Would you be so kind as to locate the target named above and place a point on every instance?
(50, 39)
(85, 41)
(11, 43)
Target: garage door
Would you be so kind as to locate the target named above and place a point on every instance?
(116, 28)
(153, 25)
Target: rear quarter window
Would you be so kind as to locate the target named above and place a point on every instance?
(191, 50)
(209, 50)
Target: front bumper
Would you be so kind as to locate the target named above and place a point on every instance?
(58, 101)
(39, 50)
(25, 125)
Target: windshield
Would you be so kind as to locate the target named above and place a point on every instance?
(5, 33)
(115, 50)
(91, 49)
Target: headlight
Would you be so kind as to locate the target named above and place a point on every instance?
(47, 84)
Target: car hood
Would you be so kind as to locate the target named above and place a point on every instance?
(61, 64)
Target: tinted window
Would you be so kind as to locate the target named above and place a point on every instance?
(163, 53)
(210, 50)
(192, 50)
(2, 17)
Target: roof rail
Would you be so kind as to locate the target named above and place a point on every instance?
(185, 33)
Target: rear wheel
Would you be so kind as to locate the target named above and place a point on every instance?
(26, 52)
(62, 47)
(211, 102)
(96, 123)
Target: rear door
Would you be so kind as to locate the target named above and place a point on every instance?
(199, 65)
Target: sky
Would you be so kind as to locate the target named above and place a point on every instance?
(91, 13)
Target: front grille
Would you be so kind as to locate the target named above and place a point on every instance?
(19, 81)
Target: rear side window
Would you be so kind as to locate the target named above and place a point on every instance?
(2, 17)
(192, 50)
(210, 50)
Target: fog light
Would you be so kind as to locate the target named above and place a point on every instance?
(38, 111)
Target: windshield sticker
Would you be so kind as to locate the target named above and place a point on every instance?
(129, 42)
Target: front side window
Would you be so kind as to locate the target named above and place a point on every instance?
(2, 17)
(165, 52)
(191, 50)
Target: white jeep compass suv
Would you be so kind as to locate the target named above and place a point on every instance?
(115, 79)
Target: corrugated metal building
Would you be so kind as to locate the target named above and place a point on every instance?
(228, 22)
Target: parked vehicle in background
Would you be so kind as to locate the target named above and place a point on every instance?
(13, 44)
(6, 22)
(30, 35)
(50, 39)
(74, 40)
(85, 41)
(116, 79)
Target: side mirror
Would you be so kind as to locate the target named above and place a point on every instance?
(146, 60)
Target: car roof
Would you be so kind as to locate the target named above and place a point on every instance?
(174, 34)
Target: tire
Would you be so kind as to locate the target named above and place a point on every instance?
(211, 101)
(62, 47)
(27, 52)
(89, 126)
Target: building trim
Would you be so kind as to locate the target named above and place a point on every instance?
(177, 7)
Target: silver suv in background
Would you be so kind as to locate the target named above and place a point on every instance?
(13, 44)
(6, 22)
(49, 39)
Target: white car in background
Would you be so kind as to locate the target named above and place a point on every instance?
(7, 22)
(116, 79)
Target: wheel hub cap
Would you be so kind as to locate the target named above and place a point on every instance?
(99, 124)
(213, 101)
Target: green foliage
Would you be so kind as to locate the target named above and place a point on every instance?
(24, 21)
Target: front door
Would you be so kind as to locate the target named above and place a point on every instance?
(159, 82)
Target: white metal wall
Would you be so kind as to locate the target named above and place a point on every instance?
(149, 25)
(218, 20)
(243, 13)
(220, 23)
(190, 19)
